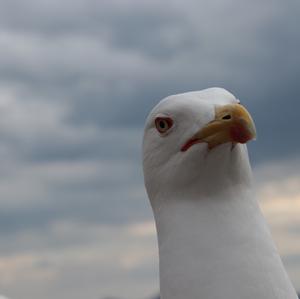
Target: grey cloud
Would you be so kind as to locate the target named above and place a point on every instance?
(78, 79)
(292, 260)
(107, 192)
(117, 90)
(108, 143)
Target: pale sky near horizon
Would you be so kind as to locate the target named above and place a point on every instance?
(77, 79)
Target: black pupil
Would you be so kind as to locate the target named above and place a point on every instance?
(226, 117)
(162, 124)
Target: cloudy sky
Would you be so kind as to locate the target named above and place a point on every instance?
(77, 79)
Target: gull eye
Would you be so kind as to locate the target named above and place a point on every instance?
(163, 124)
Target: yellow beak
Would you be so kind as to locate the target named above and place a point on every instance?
(232, 123)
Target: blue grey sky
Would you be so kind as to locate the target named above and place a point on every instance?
(77, 79)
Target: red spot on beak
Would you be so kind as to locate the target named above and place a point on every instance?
(239, 133)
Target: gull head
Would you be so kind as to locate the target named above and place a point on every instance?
(196, 140)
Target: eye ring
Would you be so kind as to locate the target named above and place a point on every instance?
(163, 124)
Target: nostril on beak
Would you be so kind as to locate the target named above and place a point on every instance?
(227, 116)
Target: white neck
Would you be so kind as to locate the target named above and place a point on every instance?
(217, 246)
